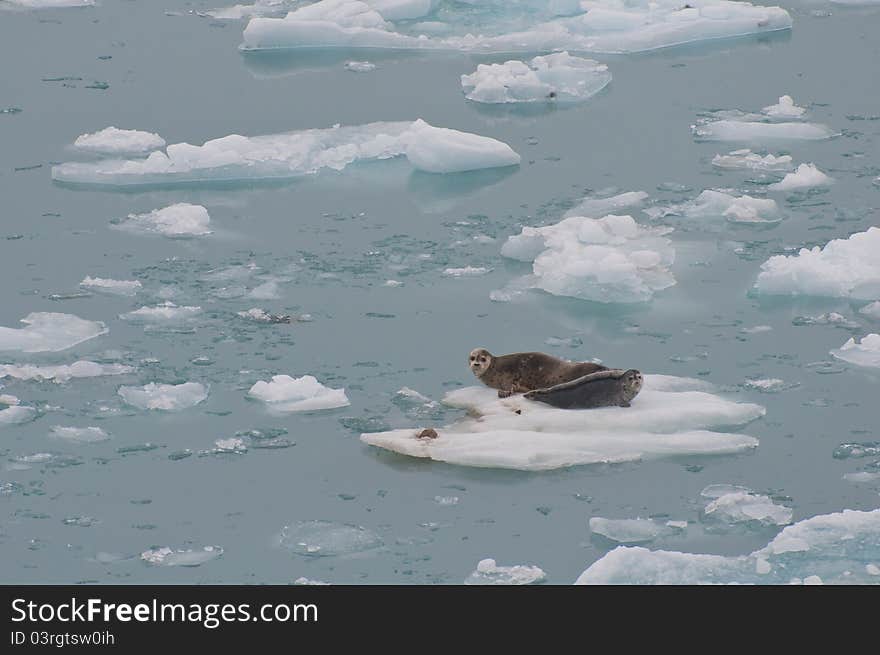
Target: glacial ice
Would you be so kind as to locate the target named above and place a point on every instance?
(839, 548)
(12, 412)
(360, 66)
(558, 76)
(113, 141)
(864, 353)
(167, 397)
(806, 176)
(776, 122)
(489, 573)
(79, 435)
(871, 310)
(327, 538)
(843, 268)
(467, 271)
(742, 506)
(64, 372)
(116, 287)
(167, 312)
(49, 332)
(52, 4)
(670, 417)
(631, 531)
(303, 394)
(747, 160)
(785, 108)
(292, 154)
(602, 26)
(597, 207)
(179, 220)
(166, 556)
(719, 204)
(610, 260)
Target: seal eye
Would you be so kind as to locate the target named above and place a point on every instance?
(482, 359)
(473, 359)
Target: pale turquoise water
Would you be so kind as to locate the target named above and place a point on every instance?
(337, 236)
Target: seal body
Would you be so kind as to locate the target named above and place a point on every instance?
(608, 388)
(521, 372)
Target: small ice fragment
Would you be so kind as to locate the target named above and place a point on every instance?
(167, 397)
(747, 160)
(49, 332)
(166, 556)
(327, 539)
(79, 435)
(116, 287)
(166, 312)
(360, 66)
(64, 372)
(871, 310)
(864, 353)
(489, 573)
(807, 176)
(113, 141)
(785, 108)
(467, 271)
(176, 221)
(304, 394)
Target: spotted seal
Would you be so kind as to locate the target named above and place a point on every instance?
(608, 388)
(521, 372)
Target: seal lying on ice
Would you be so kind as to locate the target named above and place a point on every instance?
(608, 388)
(521, 372)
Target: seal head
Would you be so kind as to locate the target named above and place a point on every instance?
(479, 361)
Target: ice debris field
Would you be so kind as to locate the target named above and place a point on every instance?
(242, 273)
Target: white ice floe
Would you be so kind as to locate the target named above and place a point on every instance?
(12, 412)
(167, 312)
(64, 372)
(865, 353)
(327, 539)
(741, 506)
(52, 4)
(844, 268)
(79, 435)
(806, 176)
(632, 531)
(719, 204)
(166, 556)
(605, 26)
(776, 122)
(838, 548)
(767, 385)
(302, 580)
(113, 141)
(178, 220)
(489, 573)
(610, 259)
(292, 154)
(828, 318)
(871, 310)
(116, 287)
(303, 394)
(467, 271)
(558, 77)
(670, 417)
(168, 397)
(49, 332)
(747, 160)
(360, 66)
(598, 207)
(785, 108)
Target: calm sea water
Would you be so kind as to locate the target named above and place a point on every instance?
(334, 239)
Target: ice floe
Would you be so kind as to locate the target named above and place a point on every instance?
(179, 220)
(489, 573)
(837, 548)
(292, 154)
(49, 332)
(844, 268)
(871, 310)
(304, 394)
(785, 108)
(632, 531)
(167, 312)
(604, 26)
(166, 556)
(116, 287)
(738, 505)
(113, 141)
(327, 538)
(12, 412)
(782, 121)
(168, 397)
(597, 207)
(467, 271)
(52, 4)
(64, 372)
(559, 77)
(720, 204)
(360, 66)
(747, 160)
(610, 260)
(828, 318)
(79, 435)
(806, 176)
(670, 417)
(864, 353)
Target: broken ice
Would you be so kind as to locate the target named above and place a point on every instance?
(63, 372)
(742, 506)
(113, 141)
(304, 394)
(167, 397)
(748, 160)
(864, 353)
(116, 287)
(632, 531)
(489, 573)
(806, 176)
(179, 220)
(49, 332)
(166, 556)
(327, 538)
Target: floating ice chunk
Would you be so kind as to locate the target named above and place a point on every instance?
(304, 394)
(630, 531)
(863, 477)
(289, 155)
(517, 433)
(327, 538)
(829, 318)
(168, 397)
(758, 132)
(360, 66)
(116, 287)
(262, 316)
(489, 573)
(559, 76)
(309, 582)
(871, 310)
(467, 271)
(166, 312)
(166, 556)
(12, 412)
(843, 268)
(79, 435)
(866, 353)
(736, 209)
(49, 332)
(52, 4)
(403, 9)
(748, 160)
(259, 8)
(837, 548)
(598, 207)
(597, 26)
(113, 141)
(806, 176)
(747, 507)
(610, 259)
(179, 220)
(785, 108)
(767, 385)
(63, 373)
(857, 450)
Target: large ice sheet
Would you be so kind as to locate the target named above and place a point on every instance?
(610, 260)
(843, 268)
(49, 332)
(606, 26)
(670, 417)
(838, 548)
(293, 154)
(558, 77)
(864, 353)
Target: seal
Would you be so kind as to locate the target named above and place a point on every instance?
(608, 388)
(521, 372)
